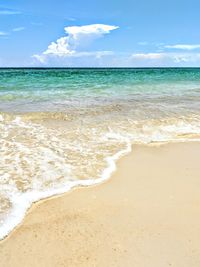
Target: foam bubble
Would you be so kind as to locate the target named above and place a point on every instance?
(39, 160)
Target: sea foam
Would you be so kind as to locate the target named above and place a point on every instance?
(38, 161)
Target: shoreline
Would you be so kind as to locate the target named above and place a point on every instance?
(101, 202)
(111, 169)
(106, 175)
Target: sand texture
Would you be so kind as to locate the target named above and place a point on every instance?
(146, 215)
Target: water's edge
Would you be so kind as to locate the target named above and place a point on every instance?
(108, 172)
(35, 197)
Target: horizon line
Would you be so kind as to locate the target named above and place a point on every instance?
(168, 67)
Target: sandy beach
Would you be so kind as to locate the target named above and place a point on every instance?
(147, 214)
(99, 133)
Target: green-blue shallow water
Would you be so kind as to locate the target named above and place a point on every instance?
(23, 90)
(61, 128)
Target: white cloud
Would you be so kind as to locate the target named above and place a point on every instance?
(45, 59)
(173, 57)
(18, 29)
(165, 59)
(76, 39)
(9, 12)
(3, 33)
(71, 19)
(150, 56)
(183, 46)
(143, 43)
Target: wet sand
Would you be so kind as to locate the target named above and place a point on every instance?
(146, 215)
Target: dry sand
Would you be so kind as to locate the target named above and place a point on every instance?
(146, 215)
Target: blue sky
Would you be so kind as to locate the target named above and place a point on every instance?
(99, 33)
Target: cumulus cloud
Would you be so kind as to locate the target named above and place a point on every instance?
(76, 39)
(183, 46)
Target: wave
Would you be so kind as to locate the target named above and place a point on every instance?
(45, 154)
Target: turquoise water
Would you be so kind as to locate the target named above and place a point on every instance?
(23, 90)
(61, 128)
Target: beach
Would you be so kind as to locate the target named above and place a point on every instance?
(99, 167)
(146, 214)
(99, 133)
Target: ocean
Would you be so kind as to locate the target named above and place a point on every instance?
(63, 128)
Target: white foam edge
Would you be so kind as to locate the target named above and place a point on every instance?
(24, 201)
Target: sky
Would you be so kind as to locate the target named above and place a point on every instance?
(99, 33)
